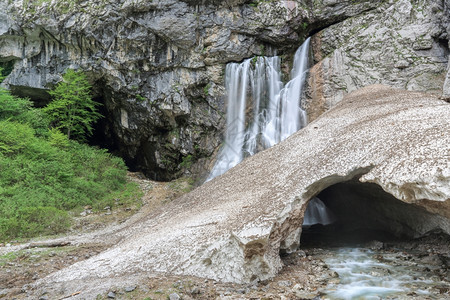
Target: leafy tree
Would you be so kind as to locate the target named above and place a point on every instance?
(72, 110)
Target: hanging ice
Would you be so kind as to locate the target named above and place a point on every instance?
(261, 112)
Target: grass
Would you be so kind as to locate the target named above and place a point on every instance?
(43, 176)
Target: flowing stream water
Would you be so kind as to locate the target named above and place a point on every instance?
(378, 274)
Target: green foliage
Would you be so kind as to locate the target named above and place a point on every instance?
(42, 176)
(304, 26)
(187, 162)
(58, 139)
(2, 75)
(206, 89)
(22, 111)
(38, 173)
(32, 221)
(140, 98)
(12, 107)
(72, 110)
(14, 137)
(6, 69)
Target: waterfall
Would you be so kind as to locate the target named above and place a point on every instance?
(317, 213)
(261, 110)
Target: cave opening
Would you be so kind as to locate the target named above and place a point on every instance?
(105, 131)
(364, 212)
(102, 134)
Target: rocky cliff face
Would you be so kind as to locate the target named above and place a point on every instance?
(404, 44)
(158, 66)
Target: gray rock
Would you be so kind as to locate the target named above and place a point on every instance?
(285, 283)
(129, 289)
(158, 65)
(174, 296)
(396, 44)
(375, 245)
(111, 295)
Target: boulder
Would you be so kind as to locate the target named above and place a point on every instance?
(231, 228)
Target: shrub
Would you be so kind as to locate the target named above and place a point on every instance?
(33, 221)
(21, 110)
(43, 174)
(14, 137)
(58, 139)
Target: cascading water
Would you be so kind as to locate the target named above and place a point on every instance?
(317, 213)
(261, 112)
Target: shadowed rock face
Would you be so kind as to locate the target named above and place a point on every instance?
(158, 66)
(231, 228)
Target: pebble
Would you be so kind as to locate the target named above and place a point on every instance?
(334, 274)
(195, 291)
(111, 295)
(43, 297)
(286, 283)
(305, 295)
(174, 296)
(375, 245)
(129, 289)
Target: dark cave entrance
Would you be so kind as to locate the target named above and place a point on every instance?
(364, 212)
(106, 131)
(102, 135)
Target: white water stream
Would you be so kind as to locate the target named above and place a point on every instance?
(363, 276)
(261, 111)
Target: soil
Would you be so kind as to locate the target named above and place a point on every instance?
(305, 275)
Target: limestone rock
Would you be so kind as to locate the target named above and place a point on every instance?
(402, 44)
(158, 65)
(231, 228)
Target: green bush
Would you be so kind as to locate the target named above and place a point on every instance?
(14, 137)
(43, 174)
(32, 221)
(58, 139)
(21, 110)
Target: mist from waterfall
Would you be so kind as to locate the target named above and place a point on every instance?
(261, 110)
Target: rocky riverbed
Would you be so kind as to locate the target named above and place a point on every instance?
(412, 269)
